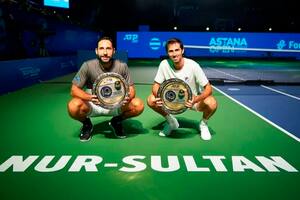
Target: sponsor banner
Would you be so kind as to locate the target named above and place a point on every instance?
(212, 44)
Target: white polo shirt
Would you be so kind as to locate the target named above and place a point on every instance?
(191, 73)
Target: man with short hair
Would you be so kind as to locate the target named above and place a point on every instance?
(84, 104)
(177, 66)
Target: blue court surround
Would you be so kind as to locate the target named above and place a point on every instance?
(278, 108)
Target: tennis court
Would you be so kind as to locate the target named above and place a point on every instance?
(247, 158)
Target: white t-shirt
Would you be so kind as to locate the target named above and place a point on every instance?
(191, 73)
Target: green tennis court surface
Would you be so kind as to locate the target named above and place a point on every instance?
(247, 158)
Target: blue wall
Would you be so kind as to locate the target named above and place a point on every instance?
(29, 34)
(58, 41)
(17, 74)
(22, 73)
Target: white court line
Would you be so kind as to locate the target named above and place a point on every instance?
(227, 74)
(241, 49)
(259, 115)
(286, 94)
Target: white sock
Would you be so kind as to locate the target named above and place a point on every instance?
(171, 119)
(171, 125)
(204, 122)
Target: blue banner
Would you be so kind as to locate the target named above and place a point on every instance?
(211, 44)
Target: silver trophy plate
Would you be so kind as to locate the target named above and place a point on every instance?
(111, 90)
(174, 93)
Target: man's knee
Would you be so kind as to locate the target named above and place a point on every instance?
(150, 101)
(138, 105)
(211, 102)
(76, 106)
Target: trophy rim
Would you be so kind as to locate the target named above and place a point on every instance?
(97, 82)
(167, 82)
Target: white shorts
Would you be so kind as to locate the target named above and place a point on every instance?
(194, 108)
(96, 110)
(99, 111)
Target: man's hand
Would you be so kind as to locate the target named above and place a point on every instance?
(95, 99)
(126, 100)
(158, 102)
(190, 103)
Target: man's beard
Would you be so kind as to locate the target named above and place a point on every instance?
(102, 62)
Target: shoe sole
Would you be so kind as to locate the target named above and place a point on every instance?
(163, 135)
(81, 140)
(205, 139)
(85, 140)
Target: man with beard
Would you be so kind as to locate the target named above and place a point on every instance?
(84, 104)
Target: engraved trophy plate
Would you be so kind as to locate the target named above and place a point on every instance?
(111, 89)
(174, 93)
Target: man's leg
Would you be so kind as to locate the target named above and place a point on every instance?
(172, 122)
(208, 106)
(133, 109)
(79, 110)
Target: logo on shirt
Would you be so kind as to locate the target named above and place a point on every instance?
(77, 78)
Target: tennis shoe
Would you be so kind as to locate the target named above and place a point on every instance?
(168, 128)
(117, 128)
(86, 131)
(204, 131)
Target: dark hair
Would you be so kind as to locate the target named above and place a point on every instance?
(172, 41)
(106, 38)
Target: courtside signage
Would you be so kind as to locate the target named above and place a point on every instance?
(291, 45)
(147, 44)
(140, 163)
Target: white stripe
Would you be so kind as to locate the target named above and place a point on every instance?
(237, 77)
(286, 94)
(242, 49)
(110, 165)
(259, 115)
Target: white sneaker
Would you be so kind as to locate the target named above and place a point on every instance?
(204, 131)
(170, 125)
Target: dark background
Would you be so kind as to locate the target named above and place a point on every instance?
(108, 17)
(188, 15)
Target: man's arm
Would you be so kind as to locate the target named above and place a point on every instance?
(204, 94)
(79, 93)
(157, 101)
(131, 95)
(131, 92)
(155, 88)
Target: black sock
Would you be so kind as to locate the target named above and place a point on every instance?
(118, 118)
(87, 121)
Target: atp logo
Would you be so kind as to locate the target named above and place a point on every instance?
(155, 43)
(134, 38)
(281, 44)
